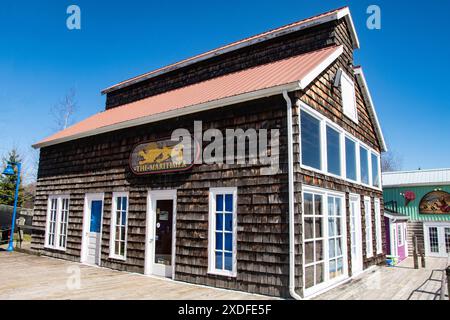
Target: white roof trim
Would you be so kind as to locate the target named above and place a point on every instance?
(372, 112)
(320, 68)
(412, 178)
(342, 13)
(176, 113)
(297, 85)
(394, 217)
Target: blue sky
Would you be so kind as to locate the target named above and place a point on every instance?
(406, 62)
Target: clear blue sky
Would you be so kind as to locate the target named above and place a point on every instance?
(406, 62)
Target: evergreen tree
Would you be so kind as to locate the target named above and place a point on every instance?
(8, 183)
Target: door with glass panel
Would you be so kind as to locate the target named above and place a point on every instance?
(92, 229)
(437, 239)
(160, 233)
(356, 234)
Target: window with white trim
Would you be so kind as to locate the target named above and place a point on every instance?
(222, 231)
(375, 170)
(378, 232)
(348, 97)
(364, 165)
(324, 238)
(310, 140)
(350, 159)
(401, 235)
(57, 222)
(368, 223)
(330, 150)
(119, 226)
(335, 235)
(333, 151)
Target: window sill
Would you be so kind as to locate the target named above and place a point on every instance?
(338, 177)
(55, 248)
(222, 274)
(119, 258)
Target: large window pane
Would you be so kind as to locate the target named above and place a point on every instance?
(323, 254)
(350, 159)
(310, 139)
(375, 173)
(333, 151)
(364, 159)
(119, 225)
(222, 255)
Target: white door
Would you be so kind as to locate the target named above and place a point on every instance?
(160, 233)
(394, 237)
(92, 228)
(356, 234)
(437, 239)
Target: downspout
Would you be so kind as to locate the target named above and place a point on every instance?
(291, 199)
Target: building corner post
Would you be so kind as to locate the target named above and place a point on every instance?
(291, 199)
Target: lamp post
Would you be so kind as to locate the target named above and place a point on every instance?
(9, 171)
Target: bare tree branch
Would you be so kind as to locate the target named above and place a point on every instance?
(64, 111)
(391, 161)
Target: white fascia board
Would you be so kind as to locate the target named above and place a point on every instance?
(178, 112)
(416, 184)
(368, 99)
(395, 218)
(343, 13)
(320, 68)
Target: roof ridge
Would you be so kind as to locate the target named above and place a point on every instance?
(416, 171)
(168, 67)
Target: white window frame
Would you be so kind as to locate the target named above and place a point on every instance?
(378, 230)
(341, 148)
(322, 139)
(400, 235)
(112, 238)
(324, 122)
(325, 235)
(213, 192)
(378, 167)
(57, 232)
(351, 114)
(368, 226)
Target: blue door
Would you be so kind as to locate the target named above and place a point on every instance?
(96, 215)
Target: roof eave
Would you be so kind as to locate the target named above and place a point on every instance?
(253, 95)
(178, 112)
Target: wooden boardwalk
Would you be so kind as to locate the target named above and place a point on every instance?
(401, 282)
(24, 276)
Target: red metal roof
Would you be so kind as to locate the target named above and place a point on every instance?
(305, 23)
(298, 70)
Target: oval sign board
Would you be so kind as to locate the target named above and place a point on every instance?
(163, 156)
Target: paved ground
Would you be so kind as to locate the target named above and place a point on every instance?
(24, 276)
(402, 282)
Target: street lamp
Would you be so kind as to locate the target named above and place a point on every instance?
(9, 171)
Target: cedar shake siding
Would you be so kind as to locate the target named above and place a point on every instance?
(290, 45)
(100, 164)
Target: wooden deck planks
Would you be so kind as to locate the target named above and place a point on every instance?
(25, 277)
(402, 282)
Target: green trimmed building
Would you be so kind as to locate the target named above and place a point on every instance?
(422, 198)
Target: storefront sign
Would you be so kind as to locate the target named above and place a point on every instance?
(162, 156)
(435, 202)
